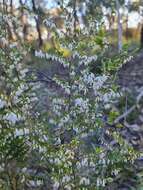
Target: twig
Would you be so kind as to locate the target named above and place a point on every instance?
(127, 112)
(124, 115)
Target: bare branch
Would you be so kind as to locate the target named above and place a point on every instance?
(125, 114)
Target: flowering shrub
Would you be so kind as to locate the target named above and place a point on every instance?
(73, 145)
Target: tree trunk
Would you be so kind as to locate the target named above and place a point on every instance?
(75, 16)
(37, 20)
(120, 30)
(127, 19)
(141, 36)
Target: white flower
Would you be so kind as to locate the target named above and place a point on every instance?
(116, 172)
(92, 164)
(12, 117)
(78, 165)
(24, 169)
(68, 187)
(67, 90)
(84, 181)
(107, 97)
(81, 104)
(98, 83)
(89, 78)
(56, 185)
(2, 103)
(69, 154)
(52, 121)
(78, 101)
(84, 162)
(107, 106)
(23, 72)
(39, 54)
(66, 179)
(98, 182)
(103, 183)
(20, 132)
(11, 67)
(39, 182)
(57, 161)
(32, 182)
(128, 59)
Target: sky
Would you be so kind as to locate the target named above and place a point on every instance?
(134, 19)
